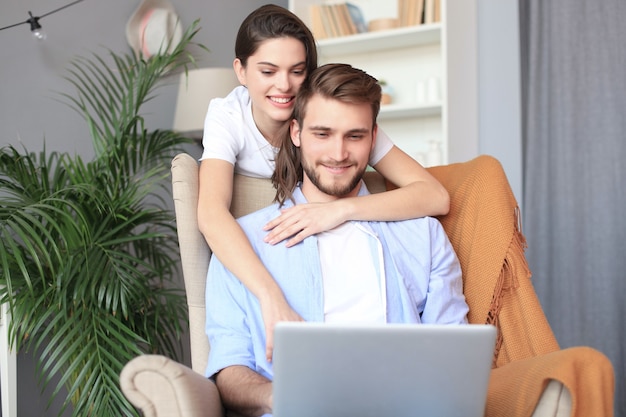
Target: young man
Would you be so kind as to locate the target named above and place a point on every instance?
(367, 272)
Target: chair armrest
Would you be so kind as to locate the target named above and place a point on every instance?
(159, 387)
(555, 401)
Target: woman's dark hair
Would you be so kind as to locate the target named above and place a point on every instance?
(334, 81)
(270, 22)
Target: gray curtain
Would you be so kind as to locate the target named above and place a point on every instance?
(574, 130)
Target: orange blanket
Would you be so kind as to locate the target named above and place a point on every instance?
(484, 228)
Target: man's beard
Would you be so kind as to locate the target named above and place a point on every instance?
(335, 189)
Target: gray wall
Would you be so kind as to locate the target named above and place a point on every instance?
(32, 74)
(499, 95)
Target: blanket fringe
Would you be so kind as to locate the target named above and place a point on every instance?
(507, 281)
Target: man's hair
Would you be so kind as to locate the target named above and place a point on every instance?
(332, 81)
(271, 22)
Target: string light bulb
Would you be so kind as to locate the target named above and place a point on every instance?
(36, 29)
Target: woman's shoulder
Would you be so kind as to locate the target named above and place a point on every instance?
(237, 101)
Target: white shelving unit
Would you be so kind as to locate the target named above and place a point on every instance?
(8, 367)
(440, 57)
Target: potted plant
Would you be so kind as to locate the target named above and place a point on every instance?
(88, 248)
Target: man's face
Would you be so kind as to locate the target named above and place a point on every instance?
(335, 141)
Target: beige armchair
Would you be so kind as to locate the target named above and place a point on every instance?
(531, 375)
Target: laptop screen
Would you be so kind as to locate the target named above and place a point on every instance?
(397, 370)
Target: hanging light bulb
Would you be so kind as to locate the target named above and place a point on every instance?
(36, 29)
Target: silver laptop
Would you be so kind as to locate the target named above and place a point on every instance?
(392, 370)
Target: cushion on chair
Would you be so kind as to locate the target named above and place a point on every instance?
(194, 252)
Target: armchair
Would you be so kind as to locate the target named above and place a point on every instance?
(531, 375)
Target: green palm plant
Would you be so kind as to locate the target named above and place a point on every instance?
(87, 249)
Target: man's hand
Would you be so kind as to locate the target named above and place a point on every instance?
(303, 220)
(274, 311)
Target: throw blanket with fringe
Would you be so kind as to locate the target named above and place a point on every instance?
(484, 228)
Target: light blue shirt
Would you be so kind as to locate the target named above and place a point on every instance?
(422, 276)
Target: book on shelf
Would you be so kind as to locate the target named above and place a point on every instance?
(349, 24)
(343, 28)
(328, 21)
(330, 28)
(317, 22)
(403, 12)
(357, 17)
(419, 12)
(411, 12)
(429, 11)
(438, 10)
(338, 19)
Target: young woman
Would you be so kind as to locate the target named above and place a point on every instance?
(275, 52)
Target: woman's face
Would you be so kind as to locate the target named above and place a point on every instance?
(273, 76)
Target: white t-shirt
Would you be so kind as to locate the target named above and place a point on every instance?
(230, 134)
(353, 274)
